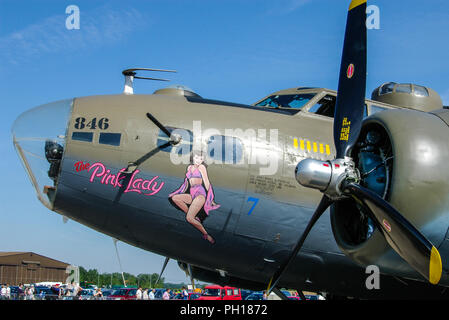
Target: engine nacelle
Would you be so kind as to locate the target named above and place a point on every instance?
(402, 156)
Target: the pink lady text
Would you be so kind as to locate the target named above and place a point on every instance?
(99, 172)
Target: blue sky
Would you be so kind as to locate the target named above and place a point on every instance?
(235, 50)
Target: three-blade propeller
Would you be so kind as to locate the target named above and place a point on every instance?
(402, 236)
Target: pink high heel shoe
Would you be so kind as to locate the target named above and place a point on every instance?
(209, 238)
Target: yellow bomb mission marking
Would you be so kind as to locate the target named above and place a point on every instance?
(345, 128)
(311, 146)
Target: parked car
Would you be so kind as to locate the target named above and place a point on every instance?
(107, 292)
(124, 294)
(192, 296)
(314, 297)
(44, 293)
(87, 294)
(215, 292)
(288, 294)
(245, 293)
(255, 296)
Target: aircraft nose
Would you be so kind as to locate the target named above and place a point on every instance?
(39, 138)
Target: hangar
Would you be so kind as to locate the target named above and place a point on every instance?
(29, 267)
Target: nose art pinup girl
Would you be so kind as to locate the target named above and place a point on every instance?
(195, 194)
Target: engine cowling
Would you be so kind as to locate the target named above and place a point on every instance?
(402, 156)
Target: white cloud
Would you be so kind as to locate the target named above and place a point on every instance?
(287, 6)
(98, 27)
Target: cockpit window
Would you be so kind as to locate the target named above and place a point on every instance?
(420, 91)
(387, 88)
(294, 101)
(325, 107)
(404, 88)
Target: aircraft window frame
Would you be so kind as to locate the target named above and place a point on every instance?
(325, 94)
(420, 91)
(403, 88)
(110, 138)
(82, 136)
(180, 148)
(316, 106)
(374, 108)
(274, 101)
(387, 88)
(237, 149)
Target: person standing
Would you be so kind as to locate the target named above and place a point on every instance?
(3, 293)
(151, 294)
(20, 293)
(145, 295)
(75, 288)
(8, 291)
(185, 294)
(166, 295)
(98, 294)
(139, 294)
(31, 292)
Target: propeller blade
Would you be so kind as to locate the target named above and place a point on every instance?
(352, 81)
(322, 206)
(402, 236)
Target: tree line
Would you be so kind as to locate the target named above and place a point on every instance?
(92, 276)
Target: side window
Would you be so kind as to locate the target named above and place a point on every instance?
(420, 91)
(236, 292)
(404, 88)
(229, 292)
(387, 88)
(184, 147)
(83, 136)
(112, 139)
(325, 107)
(268, 102)
(374, 109)
(225, 149)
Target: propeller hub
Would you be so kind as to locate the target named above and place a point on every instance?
(330, 177)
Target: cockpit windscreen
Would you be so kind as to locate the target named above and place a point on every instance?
(293, 101)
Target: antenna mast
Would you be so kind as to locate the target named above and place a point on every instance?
(130, 75)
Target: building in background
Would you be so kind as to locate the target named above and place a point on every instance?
(29, 268)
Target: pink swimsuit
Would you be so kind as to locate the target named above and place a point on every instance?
(197, 189)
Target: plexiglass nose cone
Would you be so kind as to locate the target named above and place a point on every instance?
(39, 138)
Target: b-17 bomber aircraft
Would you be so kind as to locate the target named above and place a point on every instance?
(236, 193)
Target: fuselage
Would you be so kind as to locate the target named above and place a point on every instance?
(250, 155)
